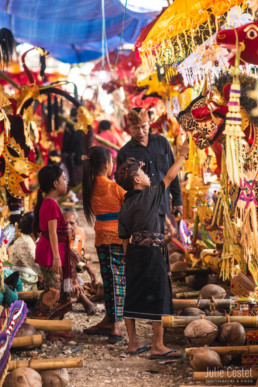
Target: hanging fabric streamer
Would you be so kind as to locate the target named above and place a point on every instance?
(43, 67)
(61, 110)
(56, 118)
(6, 46)
(75, 91)
(43, 112)
(49, 116)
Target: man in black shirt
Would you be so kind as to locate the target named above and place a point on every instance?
(155, 152)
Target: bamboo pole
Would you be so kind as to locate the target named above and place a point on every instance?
(202, 303)
(47, 364)
(230, 350)
(27, 341)
(191, 271)
(183, 321)
(96, 136)
(30, 296)
(8, 79)
(188, 294)
(50, 325)
(237, 374)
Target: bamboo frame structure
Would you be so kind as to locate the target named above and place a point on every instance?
(51, 325)
(47, 364)
(183, 321)
(191, 271)
(30, 295)
(27, 341)
(229, 350)
(202, 303)
(188, 294)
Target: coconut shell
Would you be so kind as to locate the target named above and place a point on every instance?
(23, 377)
(232, 333)
(191, 312)
(26, 330)
(176, 257)
(197, 281)
(172, 249)
(201, 332)
(202, 359)
(55, 378)
(177, 266)
(212, 290)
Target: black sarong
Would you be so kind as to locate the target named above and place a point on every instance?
(148, 286)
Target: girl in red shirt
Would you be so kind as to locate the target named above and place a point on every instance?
(52, 250)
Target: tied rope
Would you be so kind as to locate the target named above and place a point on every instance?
(212, 305)
(104, 37)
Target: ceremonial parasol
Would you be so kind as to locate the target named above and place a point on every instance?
(183, 25)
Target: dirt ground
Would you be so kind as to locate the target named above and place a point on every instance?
(106, 364)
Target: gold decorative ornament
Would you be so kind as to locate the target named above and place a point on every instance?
(84, 119)
(27, 92)
(17, 169)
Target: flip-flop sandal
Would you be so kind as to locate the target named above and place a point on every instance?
(144, 348)
(97, 332)
(113, 339)
(177, 355)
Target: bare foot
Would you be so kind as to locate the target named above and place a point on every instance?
(115, 330)
(133, 347)
(89, 307)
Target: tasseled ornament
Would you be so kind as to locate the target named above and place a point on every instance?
(234, 135)
(231, 250)
(246, 214)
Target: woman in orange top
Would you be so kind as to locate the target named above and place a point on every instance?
(102, 200)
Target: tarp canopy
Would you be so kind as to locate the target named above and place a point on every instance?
(71, 30)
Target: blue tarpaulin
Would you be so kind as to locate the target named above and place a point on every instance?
(71, 30)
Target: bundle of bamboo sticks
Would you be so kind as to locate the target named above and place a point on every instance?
(47, 364)
(229, 350)
(183, 321)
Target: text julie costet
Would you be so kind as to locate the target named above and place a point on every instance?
(230, 373)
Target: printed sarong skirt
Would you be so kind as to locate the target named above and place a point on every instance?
(112, 268)
(53, 302)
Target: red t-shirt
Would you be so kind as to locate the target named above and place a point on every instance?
(49, 210)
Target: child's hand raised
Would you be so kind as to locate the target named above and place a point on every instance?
(184, 150)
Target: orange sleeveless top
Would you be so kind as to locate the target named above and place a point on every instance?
(107, 197)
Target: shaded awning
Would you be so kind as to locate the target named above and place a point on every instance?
(71, 30)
